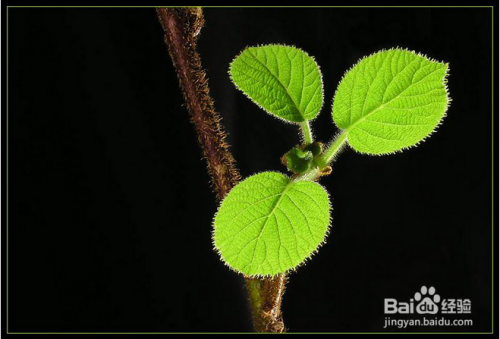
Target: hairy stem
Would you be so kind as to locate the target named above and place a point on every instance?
(306, 132)
(182, 27)
(265, 298)
(334, 148)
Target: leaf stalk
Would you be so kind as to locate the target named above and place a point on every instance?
(307, 135)
(334, 148)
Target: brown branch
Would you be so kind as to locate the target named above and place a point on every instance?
(182, 27)
(265, 298)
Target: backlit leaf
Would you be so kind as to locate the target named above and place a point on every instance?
(283, 80)
(269, 224)
(391, 100)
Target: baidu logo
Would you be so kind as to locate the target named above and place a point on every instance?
(430, 300)
(427, 301)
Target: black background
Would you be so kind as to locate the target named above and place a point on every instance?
(110, 205)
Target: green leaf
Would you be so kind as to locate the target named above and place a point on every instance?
(269, 224)
(391, 100)
(283, 80)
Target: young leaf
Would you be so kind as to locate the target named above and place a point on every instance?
(298, 161)
(391, 100)
(269, 224)
(283, 80)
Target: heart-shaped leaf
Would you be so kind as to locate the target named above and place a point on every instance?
(269, 224)
(391, 100)
(283, 80)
